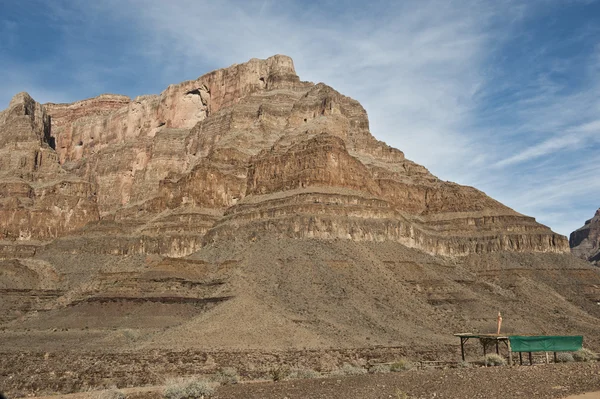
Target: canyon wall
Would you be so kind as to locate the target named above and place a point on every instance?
(237, 153)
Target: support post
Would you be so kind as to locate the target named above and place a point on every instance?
(497, 349)
(530, 359)
(462, 348)
(484, 351)
(521, 358)
(510, 359)
(555, 358)
(547, 359)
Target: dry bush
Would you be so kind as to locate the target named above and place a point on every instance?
(112, 393)
(303, 374)
(493, 359)
(348, 369)
(380, 369)
(584, 355)
(401, 365)
(564, 357)
(279, 373)
(227, 376)
(190, 389)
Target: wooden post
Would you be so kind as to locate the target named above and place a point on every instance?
(521, 358)
(462, 348)
(510, 359)
(497, 350)
(530, 359)
(555, 358)
(547, 359)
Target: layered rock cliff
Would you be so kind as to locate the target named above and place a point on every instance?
(236, 153)
(585, 241)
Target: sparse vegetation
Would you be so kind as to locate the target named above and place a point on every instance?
(190, 389)
(303, 374)
(348, 369)
(380, 369)
(279, 373)
(584, 355)
(401, 365)
(564, 357)
(112, 393)
(401, 395)
(493, 359)
(464, 365)
(228, 376)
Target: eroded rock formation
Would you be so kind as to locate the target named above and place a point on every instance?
(585, 241)
(250, 210)
(239, 152)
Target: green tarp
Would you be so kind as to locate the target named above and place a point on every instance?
(545, 343)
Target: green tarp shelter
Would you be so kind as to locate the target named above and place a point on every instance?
(545, 343)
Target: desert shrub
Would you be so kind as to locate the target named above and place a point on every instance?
(564, 357)
(348, 369)
(493, 359)
(191, 389)
(303, 374)
(279, 373)
(401, 365)
(228, 376)
(401, 395)
(108, 394)
(380, 369)
(584, 355)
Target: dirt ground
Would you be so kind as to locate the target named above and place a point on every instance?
(538, 381)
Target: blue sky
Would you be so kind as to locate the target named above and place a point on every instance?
(500, 95)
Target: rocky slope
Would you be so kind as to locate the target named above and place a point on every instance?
(585, 241)
(249, 209)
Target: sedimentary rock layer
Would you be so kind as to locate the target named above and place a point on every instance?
(239, 152)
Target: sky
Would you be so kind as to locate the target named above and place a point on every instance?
(502, 95)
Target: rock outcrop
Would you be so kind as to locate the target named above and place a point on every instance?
(39, 200)
(239, 152)
(585, 241)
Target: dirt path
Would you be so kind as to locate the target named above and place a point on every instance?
(589, 395)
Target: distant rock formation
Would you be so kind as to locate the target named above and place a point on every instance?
(239, 152)
(585, 241)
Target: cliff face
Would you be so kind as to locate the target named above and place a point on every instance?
(239, 152)
(585, 241)
(39, 200)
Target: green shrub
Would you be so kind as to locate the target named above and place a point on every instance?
(584, 355)
(401, 365)
(493, 359)
(564, 357)
(303, 374)
(191, 389)
(348, 369)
